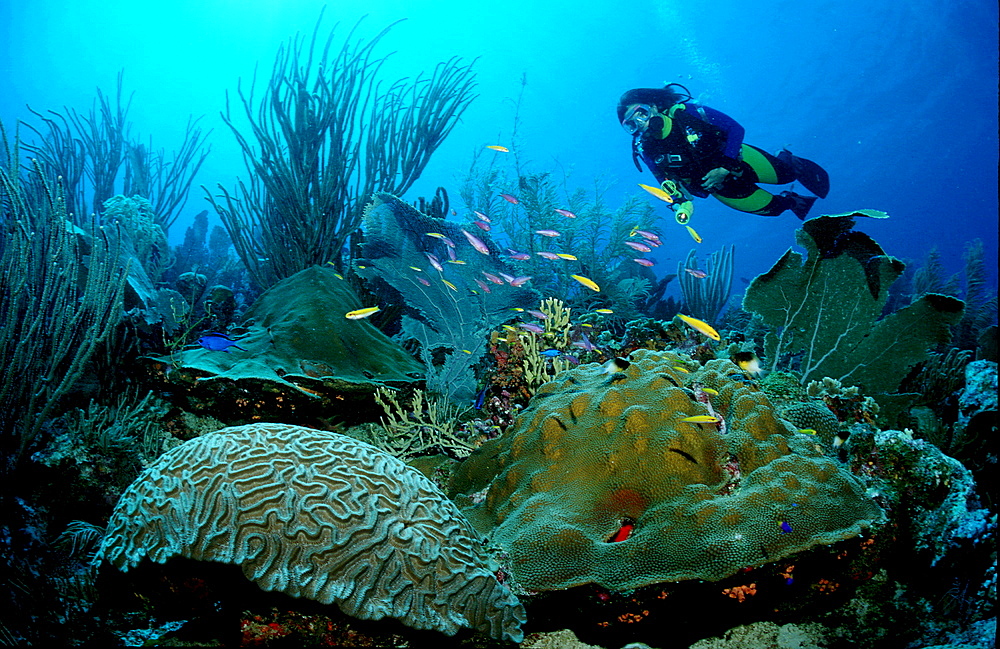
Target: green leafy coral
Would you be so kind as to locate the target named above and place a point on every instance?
(824, 310)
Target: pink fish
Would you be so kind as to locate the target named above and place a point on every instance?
(481, 284)
(482, 225)
(519, 281)
(423, 281)
(482, 217)
(647, 235)
(547, 233)
(476, 242)
(509, 198)
(700, 274)
(451, 254)
(519, 256)
(638, 246)
(538, 314)
(566, 213)
(547, 255)
(507, 278)
(644, 262)
(493, 278)
(434, 261)
(532, 327)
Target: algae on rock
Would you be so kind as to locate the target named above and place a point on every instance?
(824, 310)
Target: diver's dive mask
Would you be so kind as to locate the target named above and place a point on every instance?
(636, 120)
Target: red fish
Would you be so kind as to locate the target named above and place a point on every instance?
(509, 198)
(623, 532)
(700, 274)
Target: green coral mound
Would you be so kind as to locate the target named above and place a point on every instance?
(298, 337)
(824, 310)
(597, 451)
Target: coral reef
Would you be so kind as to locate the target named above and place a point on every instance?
(316, 515)
(824, 310)
(448, 312)
(636, 473)
(298, 344)
(705, 297)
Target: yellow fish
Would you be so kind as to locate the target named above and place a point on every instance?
(416, 268)
(361, 313)
(710, 391)
(586, 281)
(701, 419)
(807, 431)
(563, 255)
(449, 285)
(682, 369)
(497, 147)
(748, 362)
(658, 192)
(603, 311)
(694, 235)
(703, 327)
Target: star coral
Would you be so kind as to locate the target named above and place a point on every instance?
(597, 451)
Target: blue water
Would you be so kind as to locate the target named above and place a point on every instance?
(897, 100)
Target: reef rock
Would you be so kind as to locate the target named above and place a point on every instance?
(605, 479)
(318, 515)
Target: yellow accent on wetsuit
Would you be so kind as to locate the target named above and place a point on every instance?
(752, 203)
(753, 157)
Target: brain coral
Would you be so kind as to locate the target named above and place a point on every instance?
(318, 515)
(814, 415)
(600, 480)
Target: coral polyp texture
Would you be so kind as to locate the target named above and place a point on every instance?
(601, 480)
(318, 515)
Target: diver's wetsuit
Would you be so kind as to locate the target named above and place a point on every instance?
(696, 139)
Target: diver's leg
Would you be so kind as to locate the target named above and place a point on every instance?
(762, 203)
(812, 176)
(769, 169)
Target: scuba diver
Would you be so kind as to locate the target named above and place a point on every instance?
(695, 150)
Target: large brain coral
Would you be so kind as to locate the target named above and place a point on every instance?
(318, 515)
(602, 481)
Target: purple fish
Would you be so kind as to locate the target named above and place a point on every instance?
(218, 342)
(532, 327)
(785, 527)
(476, 242)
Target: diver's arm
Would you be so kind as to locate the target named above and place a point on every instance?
(731, 129)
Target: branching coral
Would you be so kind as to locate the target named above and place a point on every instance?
(313, 167)
(55, 308)
(705, 297)
(423, 425)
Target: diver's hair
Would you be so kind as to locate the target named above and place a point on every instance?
(663, 98)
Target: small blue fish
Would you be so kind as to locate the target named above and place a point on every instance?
(551, 353)
(785, 527)
(480, 399)
(218, 342)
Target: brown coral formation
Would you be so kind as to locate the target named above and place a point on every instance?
(602, 480)
(318, 515)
